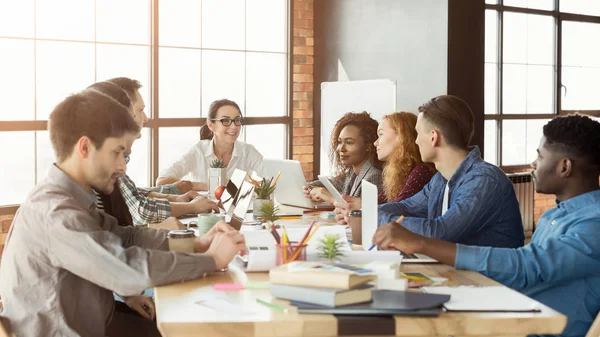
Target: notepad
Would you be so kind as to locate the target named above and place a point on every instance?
(485, 299)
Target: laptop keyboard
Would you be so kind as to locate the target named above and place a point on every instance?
(408, 256)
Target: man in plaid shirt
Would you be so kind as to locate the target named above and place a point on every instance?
(156, 204)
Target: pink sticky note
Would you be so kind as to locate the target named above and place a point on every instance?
(228, 286)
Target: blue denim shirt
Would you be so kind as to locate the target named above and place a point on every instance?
(482, 207)
(561, 265)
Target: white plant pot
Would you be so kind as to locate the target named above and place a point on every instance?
(216, 177)
(257, 204)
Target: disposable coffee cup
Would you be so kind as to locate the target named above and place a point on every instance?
(181, 240)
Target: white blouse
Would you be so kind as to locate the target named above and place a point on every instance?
(198, 158)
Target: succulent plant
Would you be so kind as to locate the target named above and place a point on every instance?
(217, 163)
(263, 188)
(269, 211)
(330, 247)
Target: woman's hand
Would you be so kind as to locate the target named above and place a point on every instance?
(144, 305)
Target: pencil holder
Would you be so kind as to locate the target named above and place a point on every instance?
(289, 253)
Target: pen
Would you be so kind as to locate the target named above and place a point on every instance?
(399, 220)
(271, 305)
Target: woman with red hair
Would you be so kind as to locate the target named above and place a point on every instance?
(404, 173)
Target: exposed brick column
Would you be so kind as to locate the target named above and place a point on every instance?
(303, 85)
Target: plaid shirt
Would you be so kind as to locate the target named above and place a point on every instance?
(142, 208)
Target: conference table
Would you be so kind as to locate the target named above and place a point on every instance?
(193, 308)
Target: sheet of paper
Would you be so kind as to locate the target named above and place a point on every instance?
(221, 303)
(498, 298)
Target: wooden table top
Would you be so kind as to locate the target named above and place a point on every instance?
(178, 314)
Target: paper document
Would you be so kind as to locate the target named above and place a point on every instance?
(493, 299)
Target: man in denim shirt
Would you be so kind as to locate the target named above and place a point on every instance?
(468, 201)
(561, 265)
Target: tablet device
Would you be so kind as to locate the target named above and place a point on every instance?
(332, 190)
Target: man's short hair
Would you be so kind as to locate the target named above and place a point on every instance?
(130, 86)
(452, 117)
(113, 91)
(88, 113)
(577, 136)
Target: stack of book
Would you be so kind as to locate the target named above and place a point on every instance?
(321, 284)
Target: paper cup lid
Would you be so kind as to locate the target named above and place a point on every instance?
(182, 233)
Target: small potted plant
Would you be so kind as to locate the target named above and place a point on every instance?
(330, 247)
(217, 174)
(268, 212)
(263, 189)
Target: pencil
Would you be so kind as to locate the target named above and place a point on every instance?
(399, 220)
(271, 305)
(276, 178)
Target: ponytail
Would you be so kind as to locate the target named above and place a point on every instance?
(205, 132)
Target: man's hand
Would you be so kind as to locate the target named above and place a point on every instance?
(144, 305)
(184, 186)
(203, 242)
(171, 223)
(394, 236)
(203, 205)
(342, 209)
(186, 197)
(306, 189)
(225, 246)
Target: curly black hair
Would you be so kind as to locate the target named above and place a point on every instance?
(577, 135)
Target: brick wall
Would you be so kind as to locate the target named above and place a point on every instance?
(303, 86)
(541, 204)
(5, 222)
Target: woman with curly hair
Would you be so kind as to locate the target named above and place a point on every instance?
(404, 173)
(353, 155)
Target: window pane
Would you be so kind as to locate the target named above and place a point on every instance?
(138, 167)
(269, 140)
(493, 2)
(45, 156)
(489, 142)
(123, 21)
(174, 143)
(65, 19)
(17, 87)
(222, 77)
(125, 61)
(528, 39)
(19, 176)
(582, 88)
(576, 47)
(223, 24)
(63, 68)
(540, 89)
(586, 7)
(536, 4)
(179, 82)
(514, 89)
(520, 139)
(266, 25)
(16, 18)
(179, 23)
(491, 88)
(491, 36)
(266, 88)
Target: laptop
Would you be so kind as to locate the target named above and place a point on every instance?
(369, 223)
(241, 205)
(229, 196)
(289, 186)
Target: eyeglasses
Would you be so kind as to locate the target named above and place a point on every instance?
(226, 121)
(126, 159)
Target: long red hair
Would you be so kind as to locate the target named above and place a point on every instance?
(406, 155)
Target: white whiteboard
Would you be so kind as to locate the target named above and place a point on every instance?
(377, 97)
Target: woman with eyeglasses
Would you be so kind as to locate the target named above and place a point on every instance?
(218, 140)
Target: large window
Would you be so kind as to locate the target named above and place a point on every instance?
(186, 54)
(541, 59)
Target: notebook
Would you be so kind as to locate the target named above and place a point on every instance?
(485, 299)
(385, 302)
(322, 296)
